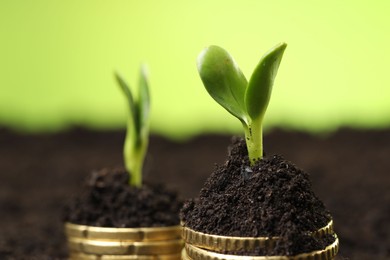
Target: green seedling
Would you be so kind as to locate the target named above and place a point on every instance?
(245, 100)
(137, 134)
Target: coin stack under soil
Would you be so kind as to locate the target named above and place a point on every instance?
(86, 242)
(201, 246)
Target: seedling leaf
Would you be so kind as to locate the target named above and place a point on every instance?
(130, 100)
(260, 84)
(144, 100)
(223, 80)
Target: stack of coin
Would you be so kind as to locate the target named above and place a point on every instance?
(87, 242)
(201, 246)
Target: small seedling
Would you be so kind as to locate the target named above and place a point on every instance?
(245, 100)
(137, 134)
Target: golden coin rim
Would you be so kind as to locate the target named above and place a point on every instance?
(201, 254)
(230, 243)
(101, 247)
(123, 234)
(184, 255)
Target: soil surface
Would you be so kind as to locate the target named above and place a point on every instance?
(39, 174)
(108, 200)
(271, 198)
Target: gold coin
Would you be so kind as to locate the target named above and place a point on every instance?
(101, 247)
(123, 234)
(184, 255)
(81, 256)
(226, 243)
(327, 230)
(195, 253)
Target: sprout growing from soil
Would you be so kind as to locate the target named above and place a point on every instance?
(245, 100)
(137, 134)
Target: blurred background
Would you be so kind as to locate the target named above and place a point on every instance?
(57, 60)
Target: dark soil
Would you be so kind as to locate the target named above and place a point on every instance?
(39, 174)
(271, 198)
(107, 200)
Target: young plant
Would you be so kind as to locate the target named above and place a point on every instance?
(245, 100)
(137, 134)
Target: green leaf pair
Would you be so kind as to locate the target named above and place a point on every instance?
(247, 101)
(137, 135)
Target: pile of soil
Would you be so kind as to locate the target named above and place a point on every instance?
(270, 198)
(108, 200)
(40, 173)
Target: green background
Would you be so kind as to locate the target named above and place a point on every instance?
(57, 60)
